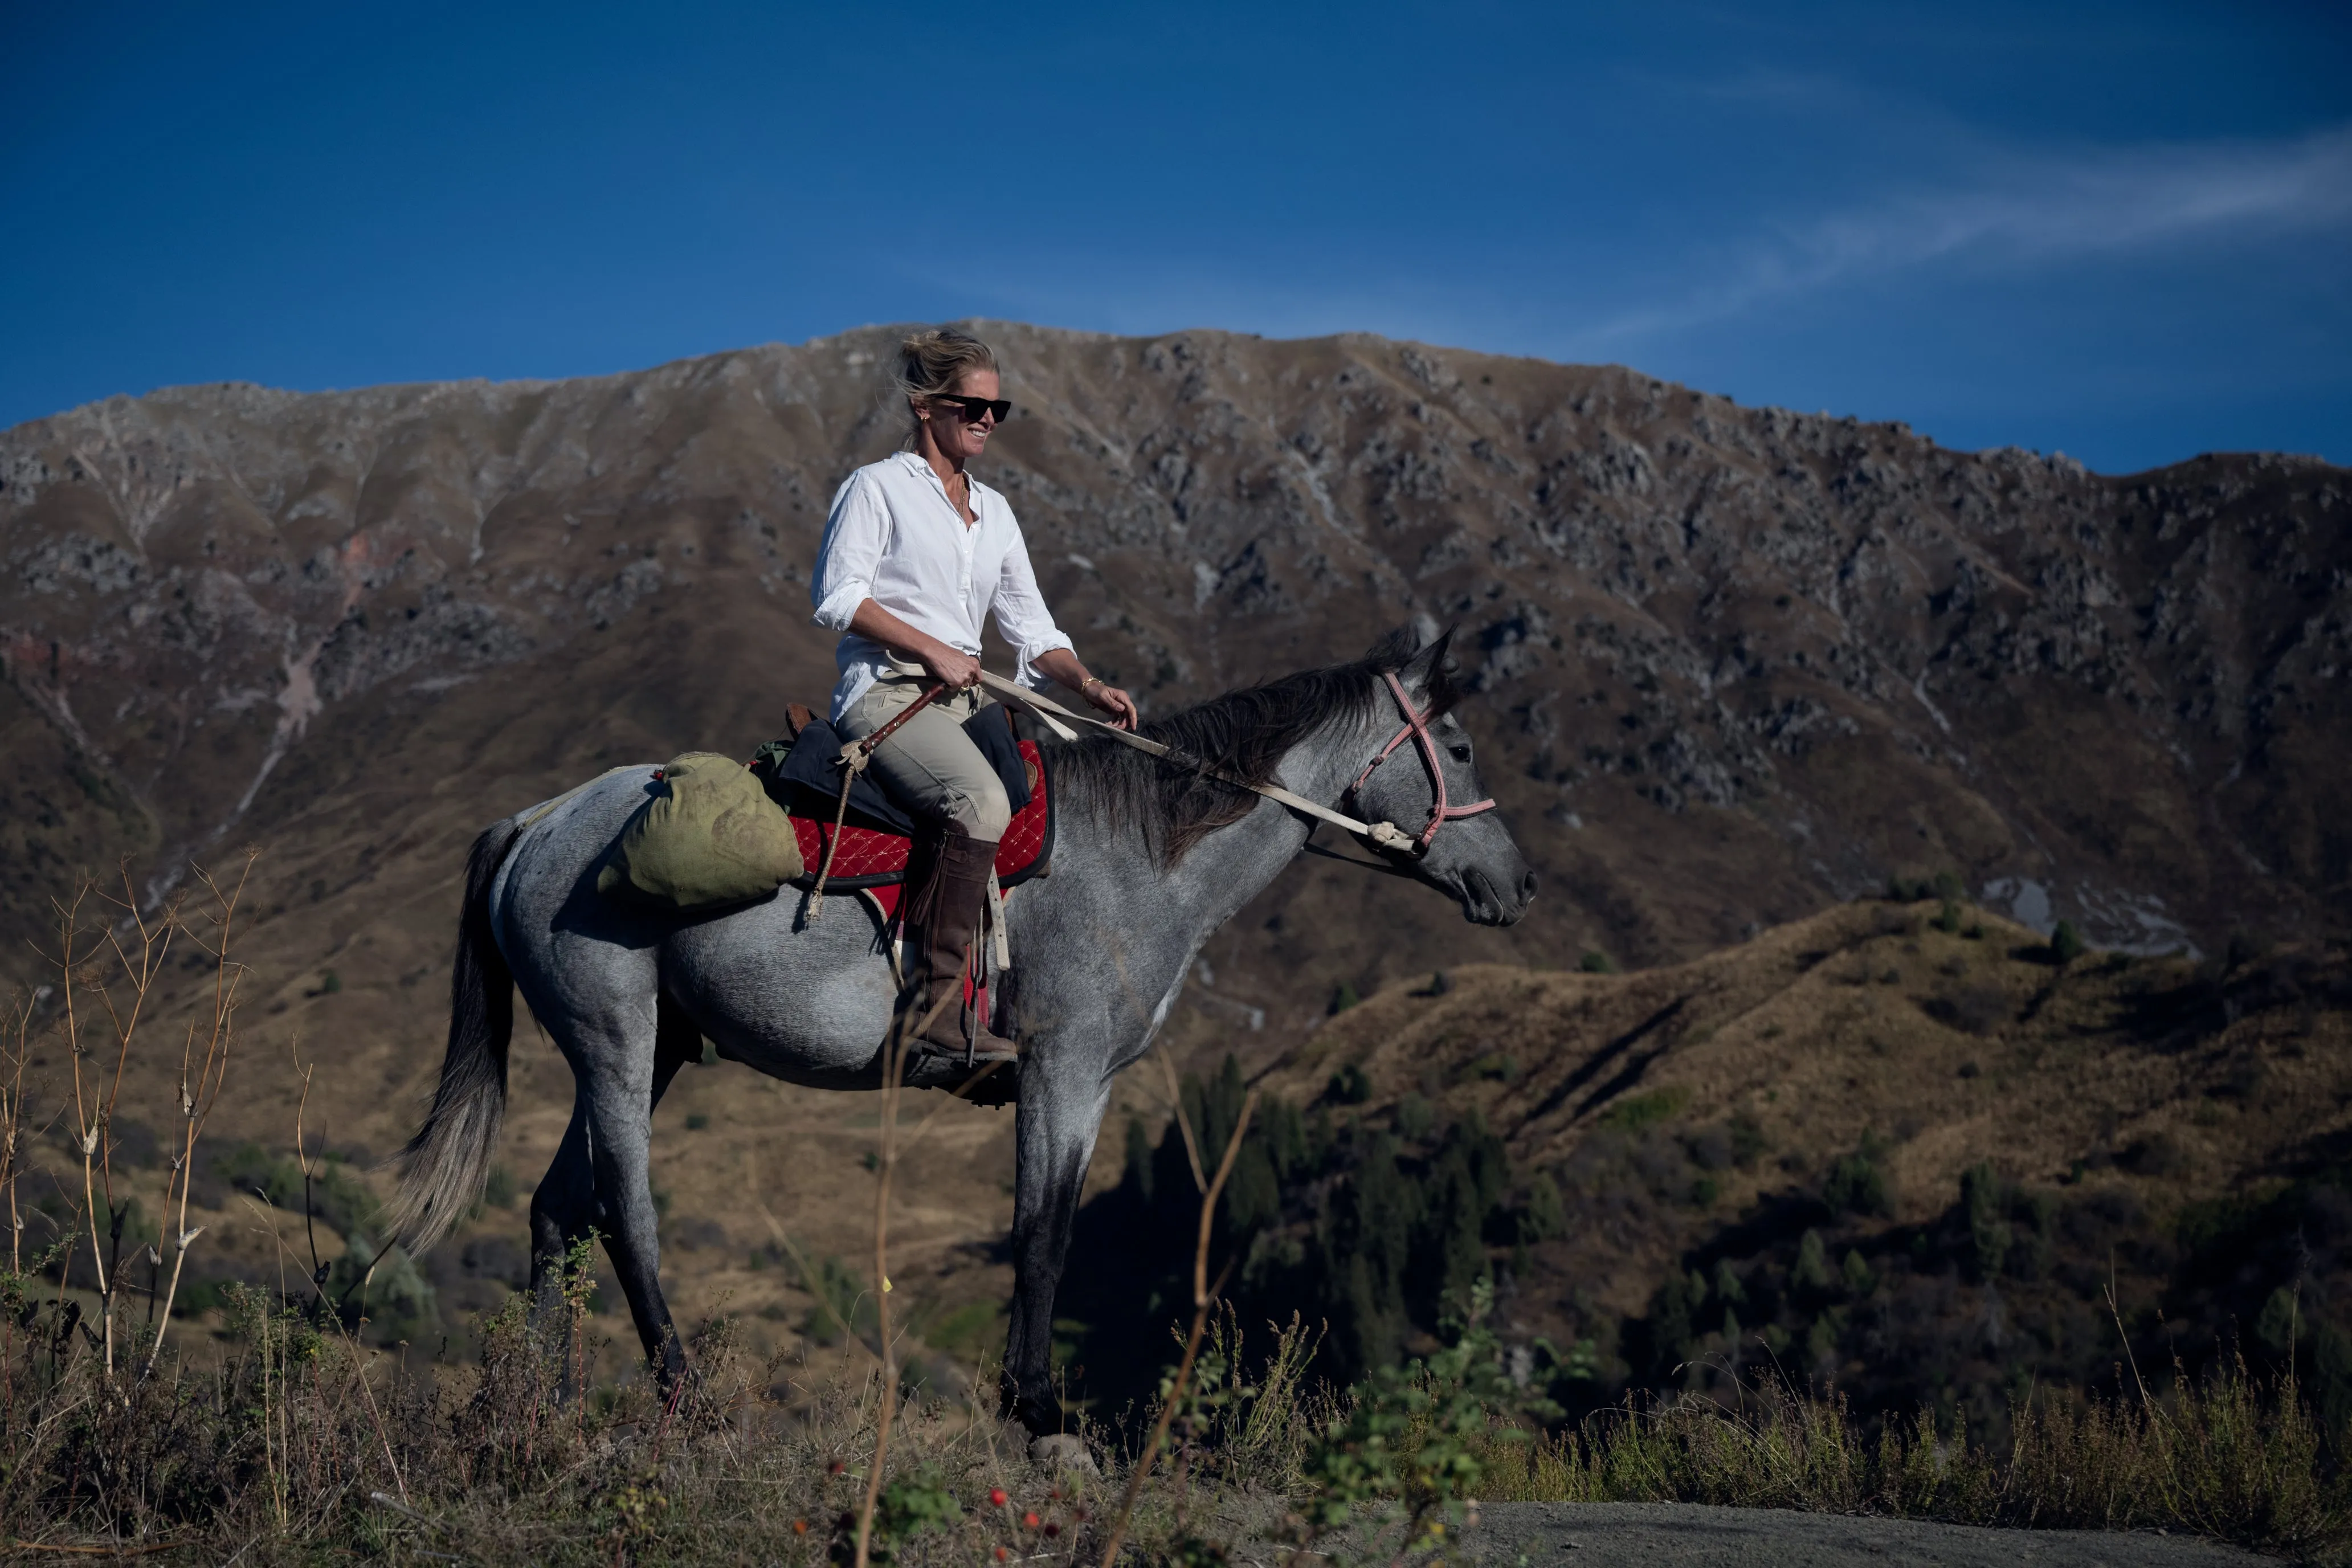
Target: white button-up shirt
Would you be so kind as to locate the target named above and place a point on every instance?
(893, 537)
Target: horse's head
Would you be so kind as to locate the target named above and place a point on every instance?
(1428, 785)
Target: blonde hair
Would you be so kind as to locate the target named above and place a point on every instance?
(931, 362)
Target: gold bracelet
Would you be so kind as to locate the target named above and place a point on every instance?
(1089, 683)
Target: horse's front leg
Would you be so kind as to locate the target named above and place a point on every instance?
(1060, 1113)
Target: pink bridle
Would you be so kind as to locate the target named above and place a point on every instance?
(1416, 729)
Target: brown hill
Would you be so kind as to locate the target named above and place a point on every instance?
(1731, 664)
(1906, 1154)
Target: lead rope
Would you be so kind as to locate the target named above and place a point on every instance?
(854, 758)
(1058, 718)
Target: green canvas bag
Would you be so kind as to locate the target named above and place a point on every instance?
(709, 836)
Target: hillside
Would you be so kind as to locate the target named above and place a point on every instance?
(1908, 1160)
(1731, 667)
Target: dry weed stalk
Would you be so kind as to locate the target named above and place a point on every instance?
(201, 1076)
(12, 1125)
(894, 1064)
(1204, 1296)
(109, 969)
(81, 973)
(319, 1272)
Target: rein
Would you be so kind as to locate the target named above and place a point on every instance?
(1380, 835)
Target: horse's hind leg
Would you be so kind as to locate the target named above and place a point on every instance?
(600, 1179)
(562, 1215)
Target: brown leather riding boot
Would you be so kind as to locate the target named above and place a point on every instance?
(942, 923)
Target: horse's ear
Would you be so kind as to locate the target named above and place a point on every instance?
(1430, 672)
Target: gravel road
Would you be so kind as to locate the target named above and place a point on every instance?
(1684, 1535)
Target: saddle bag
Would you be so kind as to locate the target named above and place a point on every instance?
(709, 836)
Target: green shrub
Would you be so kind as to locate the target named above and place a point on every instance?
(1351, 1085)
(1637, 1111)
(2066, 943)
(1983, 1199)
(1544, 1215)
(1748, 1143)
(1596, 962)
(1416, 1118)
(337, 1196)
(1813, 1270)
(1857, 1184)
(384, 1288)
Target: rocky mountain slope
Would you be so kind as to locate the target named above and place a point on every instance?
(1730, 662)
(1731, 666)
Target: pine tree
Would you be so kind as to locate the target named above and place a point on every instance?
(1811, 1274)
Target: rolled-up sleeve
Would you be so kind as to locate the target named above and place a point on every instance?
(854, 536)
(1021, 618)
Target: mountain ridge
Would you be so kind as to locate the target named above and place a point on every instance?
(1728, 668)
(470, 456)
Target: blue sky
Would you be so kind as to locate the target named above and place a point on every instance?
(2121, 230)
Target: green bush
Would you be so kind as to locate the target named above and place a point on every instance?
(1416, 1118)
(1351, 1085)
(1857, 1185)
(382, 1288)
(1544, 1215)
(2066, 943)
(337, 1196)
(1812, 1273)
(1636, 1113)
(1596, 962)
(1748, 1141)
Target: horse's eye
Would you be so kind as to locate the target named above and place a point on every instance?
(1461, 751)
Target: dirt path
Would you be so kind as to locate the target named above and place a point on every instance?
(1683, 1535)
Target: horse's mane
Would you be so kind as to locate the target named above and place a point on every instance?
(1245, 732)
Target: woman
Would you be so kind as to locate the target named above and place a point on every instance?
(917, 553)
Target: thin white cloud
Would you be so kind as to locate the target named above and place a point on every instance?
(2038, 211)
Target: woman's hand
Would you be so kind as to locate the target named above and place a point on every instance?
(1113, 701)
(1060, 664)
(958, 669)
(954, 666)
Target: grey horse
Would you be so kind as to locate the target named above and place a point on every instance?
(1151, 858)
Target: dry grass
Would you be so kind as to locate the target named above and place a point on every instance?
(299, 1442)
(302, 1443)
(2229, 1458)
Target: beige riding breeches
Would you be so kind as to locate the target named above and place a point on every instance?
(929, 764)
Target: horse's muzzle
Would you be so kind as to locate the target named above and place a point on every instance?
(1483, 904)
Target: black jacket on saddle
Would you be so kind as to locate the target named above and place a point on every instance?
(807, 781)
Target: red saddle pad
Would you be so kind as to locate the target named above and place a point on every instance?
(869, 859)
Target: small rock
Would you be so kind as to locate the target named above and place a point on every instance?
(1060, 1451)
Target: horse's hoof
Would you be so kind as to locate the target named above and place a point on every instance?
(1060, 1452)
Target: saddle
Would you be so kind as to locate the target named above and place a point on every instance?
(802, 773)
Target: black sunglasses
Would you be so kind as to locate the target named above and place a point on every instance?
(973, 407)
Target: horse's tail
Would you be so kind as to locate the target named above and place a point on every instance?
(443, 1168)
